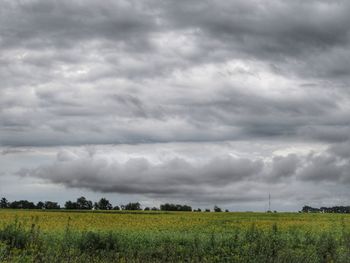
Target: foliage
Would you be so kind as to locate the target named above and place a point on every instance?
(217, 209)
(4, 203)
(334, 209)
(22, 204)
(51, 205)
(40, 205)
(175, 207)
(29, 236)
(103, 204)
(82, 203)
(132, 206)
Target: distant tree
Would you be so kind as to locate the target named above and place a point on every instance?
(309, 209)
(103, 204)
(207, 210)
(175, 207)
(51, 205)
(84, 204)
(40, 205)
(226, 210)
(70, 205)
(147, 208)
(217, 209)
(4, 203)
(186, 208)
(133, 206)
(22, 204)
(154, 208)
(334, 209)
(116, 208)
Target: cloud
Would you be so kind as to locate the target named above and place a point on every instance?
(63, 24)
(154, 73)
(172, 177)
(172, 173)
(285, 166)
(330, 166)
(134, 72)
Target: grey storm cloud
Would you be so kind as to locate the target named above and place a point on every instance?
(273, 74)
(79, 72)
(224, 178)
(330, 166)
(177, 176)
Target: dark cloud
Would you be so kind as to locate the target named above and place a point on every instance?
(304, 37)
(86, 73)
(285, 166)
(217, 178)
(265, 73)
(14, 151)
(330, 166)
(87, 85)
(65, 24)
(173, 177)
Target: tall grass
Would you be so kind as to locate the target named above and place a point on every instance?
(21, 242)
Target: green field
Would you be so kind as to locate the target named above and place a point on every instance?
(78, 236)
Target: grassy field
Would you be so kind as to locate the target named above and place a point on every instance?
(64, 236)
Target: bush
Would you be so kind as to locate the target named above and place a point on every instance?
(15, 235)
(92, 241)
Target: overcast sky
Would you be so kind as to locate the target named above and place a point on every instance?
(198, 102)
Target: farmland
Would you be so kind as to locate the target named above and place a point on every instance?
(129, 236)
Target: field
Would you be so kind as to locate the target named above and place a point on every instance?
(72, 236)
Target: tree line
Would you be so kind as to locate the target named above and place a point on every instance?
(103, 204)
(333, 209)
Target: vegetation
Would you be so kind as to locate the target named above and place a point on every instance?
(44, 232)
(156, 236)
(103, 204)
(132, 206)
(83, 204)
(173, 207)
(334, 209)
(217, 209)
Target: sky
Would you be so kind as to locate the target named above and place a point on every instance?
(196, 102)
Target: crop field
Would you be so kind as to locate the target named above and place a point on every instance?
(84, 236)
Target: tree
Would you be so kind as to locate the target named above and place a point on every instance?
(22, 204)
(186, 208)
(51, 205)
(83, 203)
(116, 208)
(103, 204)
(217, 209)
(40, 205)
(133, 206)
(175, 207)
(309, 209)
(147, 208)
(70, 205)
(4, 203)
